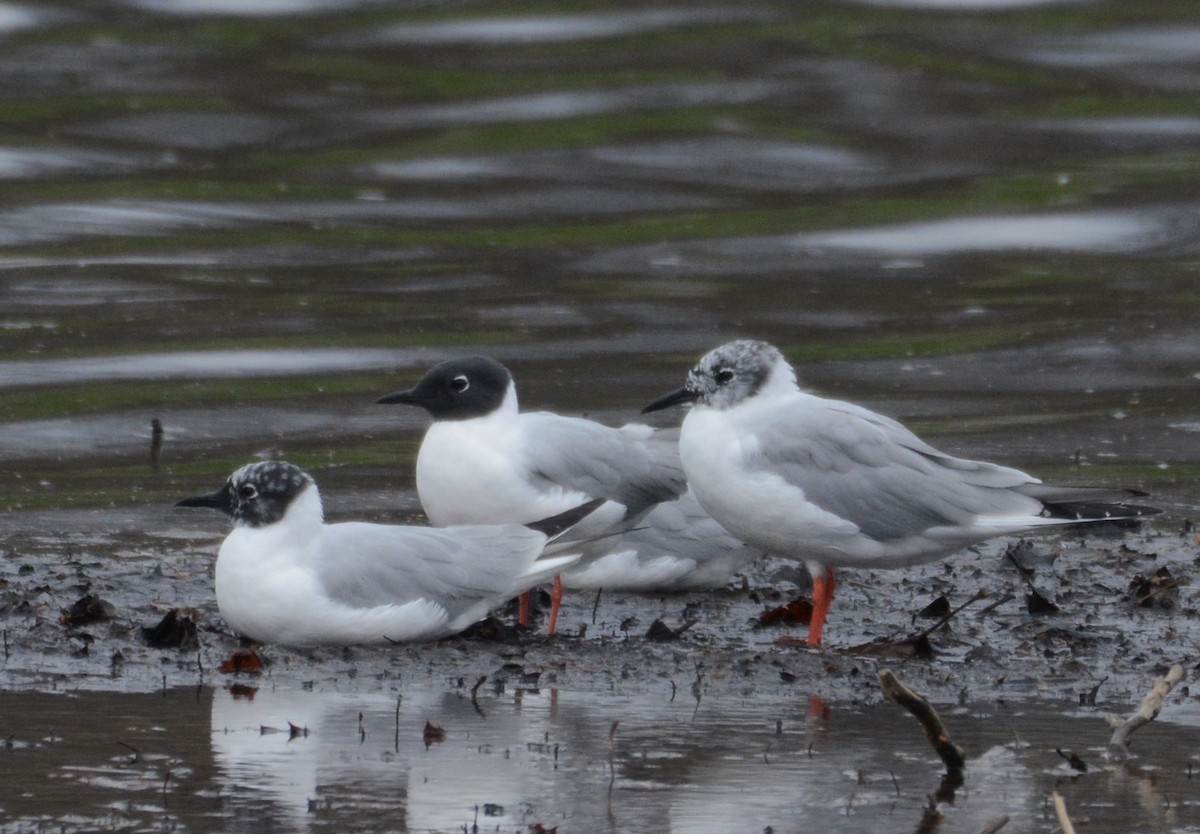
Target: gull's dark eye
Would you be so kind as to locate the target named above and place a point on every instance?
(723, 376)
(247, 492)
(460, 383)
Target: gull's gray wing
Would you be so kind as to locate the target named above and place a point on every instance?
(683, 529)
(364, 565)
(872, 471)
(634, 465)
(676, 546)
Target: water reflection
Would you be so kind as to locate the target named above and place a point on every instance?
(238, 8)
(1142, 45)
(737, 162)
(555, 758)
(656, 764)
(556, 28)
(1091, 232)
(15, 18)
(255, 757)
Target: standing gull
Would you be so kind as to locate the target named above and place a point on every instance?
(834, 485)
(285, 576)
(483, 461)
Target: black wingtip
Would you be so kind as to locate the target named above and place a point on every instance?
(1099, 510)
(1118, 514)
(557, 524)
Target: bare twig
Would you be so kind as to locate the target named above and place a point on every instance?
(995, 825)
(1060, 810)
(1147, 712)
(156, 442)
(939, 738)
(1008, 597)
(475, 696)
(1169, 585)
(980, 594)
(612, 767)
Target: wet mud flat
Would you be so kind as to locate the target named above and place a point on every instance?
(977, 218)
(646, 712)
(1046, 617)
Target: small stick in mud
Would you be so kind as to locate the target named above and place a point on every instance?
(612, 767)
(1147, 712)
(1060, 811)
(995, 825)
(156, 441)
(980, 594)
(396, 737)
(475, 696)
(939, 738)
(1008, 597)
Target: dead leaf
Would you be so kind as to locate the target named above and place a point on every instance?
(433, 735)
(796, 612)
(1073, 760)
(176, 630)
(241, 692)
(660, 632)
(1159, 590)
(243, 660)
(88, 609)
(937, 609)
(918, 646)
(1037, 604)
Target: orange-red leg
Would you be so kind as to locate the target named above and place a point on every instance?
(556, 595)
(523, 609)
(823, 588)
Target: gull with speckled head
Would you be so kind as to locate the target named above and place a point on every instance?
(484, 461)
(284, 576)
(834, 485)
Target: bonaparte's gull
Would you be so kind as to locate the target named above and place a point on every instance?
(482, 460)
(285, 576)
(834, 485)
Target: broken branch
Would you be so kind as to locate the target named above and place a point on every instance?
(1147, 712)
(1060, 811)
(939, 738)
(980, 594)
(995, 825)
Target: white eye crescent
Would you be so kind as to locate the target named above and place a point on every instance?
(247, 492)
(460, 383)
(723, 376)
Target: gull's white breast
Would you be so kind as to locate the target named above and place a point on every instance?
(474, 472)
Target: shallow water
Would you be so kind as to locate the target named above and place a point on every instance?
(335, 757)
(248, 221)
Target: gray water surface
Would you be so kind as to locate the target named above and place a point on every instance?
(249, 221)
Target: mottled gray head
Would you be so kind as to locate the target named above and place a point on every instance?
(728, 375)
(458, 389)
(256, 495)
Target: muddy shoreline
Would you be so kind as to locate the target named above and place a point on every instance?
(994, 649)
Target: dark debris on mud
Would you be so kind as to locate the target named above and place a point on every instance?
(137, 613)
